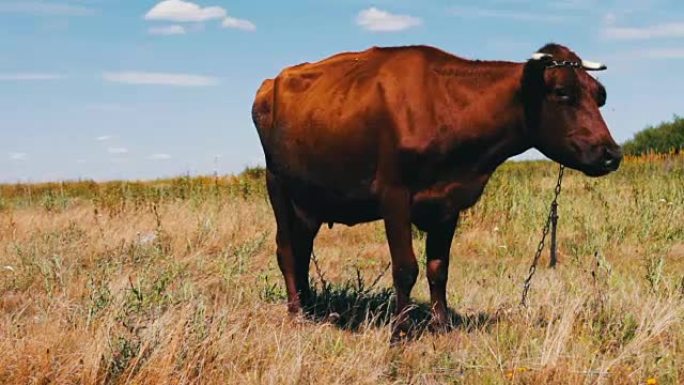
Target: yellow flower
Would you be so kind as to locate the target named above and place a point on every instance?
(651, 381)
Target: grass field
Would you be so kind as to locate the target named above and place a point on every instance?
(176, 282)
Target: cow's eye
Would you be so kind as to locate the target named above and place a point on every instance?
(563, 95)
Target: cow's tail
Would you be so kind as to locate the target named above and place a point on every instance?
(263, 111)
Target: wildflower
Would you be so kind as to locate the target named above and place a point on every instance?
(651, 381)
(511, 372)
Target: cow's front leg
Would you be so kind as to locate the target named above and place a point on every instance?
(396, 211)
(437, 247)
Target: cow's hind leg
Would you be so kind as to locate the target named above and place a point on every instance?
(437, 247)
(397, 216)
(304, 233)
(294, 241)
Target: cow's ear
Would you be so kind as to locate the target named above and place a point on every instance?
(533, 74)
(533, 88)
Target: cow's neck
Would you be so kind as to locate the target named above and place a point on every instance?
(491, 128)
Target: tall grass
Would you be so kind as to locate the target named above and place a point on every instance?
(175, 282)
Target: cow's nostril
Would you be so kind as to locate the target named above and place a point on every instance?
(612, 158)
(609, 163)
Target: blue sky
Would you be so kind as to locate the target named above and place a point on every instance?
(133, 89)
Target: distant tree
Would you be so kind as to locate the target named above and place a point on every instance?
(663, 138)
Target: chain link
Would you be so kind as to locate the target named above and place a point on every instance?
(545, 232)
(564, 63)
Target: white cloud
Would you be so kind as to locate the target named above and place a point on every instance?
(664, 30)
(18, 155)
(158, 78)
(159, 156)
(117, 150)
(474, 12)
(245, 25)
(103, 138)
(44, 8)
(377, 20)
(27, 76)
(184, 11)
(168, 30)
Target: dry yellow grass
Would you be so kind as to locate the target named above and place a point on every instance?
(187, 291)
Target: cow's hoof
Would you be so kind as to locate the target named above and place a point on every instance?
(439, 326)
(294, 307)
(296, 315)
(306, 298)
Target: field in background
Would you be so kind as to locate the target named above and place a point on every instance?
(175, 282)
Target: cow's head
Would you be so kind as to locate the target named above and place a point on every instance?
(562, 114)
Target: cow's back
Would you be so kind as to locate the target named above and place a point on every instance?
(325, 122)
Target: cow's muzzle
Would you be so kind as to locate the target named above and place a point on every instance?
(612, 158)
(607, 160)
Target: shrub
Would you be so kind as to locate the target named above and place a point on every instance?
(665, 138)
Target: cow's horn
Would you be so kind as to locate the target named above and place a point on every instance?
(540, 55)
(593, 66)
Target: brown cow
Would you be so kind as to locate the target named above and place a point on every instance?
(412, 135)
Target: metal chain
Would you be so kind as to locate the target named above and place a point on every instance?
(545, 232)
(564, 63)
